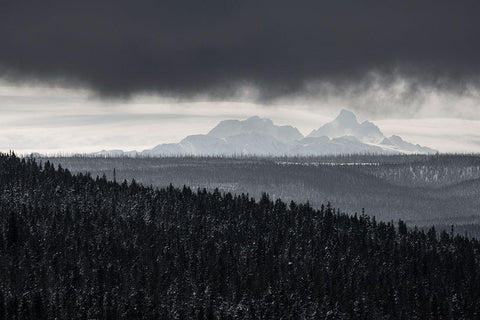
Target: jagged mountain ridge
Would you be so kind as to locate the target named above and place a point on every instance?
(228, 128)
(346, 124)
(257, 136)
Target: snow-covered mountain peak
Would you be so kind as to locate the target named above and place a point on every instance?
(346, 117)
(397, 143)
(396, 138)
(228, 128)
(258, 136)
(255, 121)
(346, 124)
(257, 118)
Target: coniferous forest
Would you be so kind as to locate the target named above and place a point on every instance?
(423, 190)
(79, 247)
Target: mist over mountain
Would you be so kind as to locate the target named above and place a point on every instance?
(346, 124)
(228, 128)
(257, 136)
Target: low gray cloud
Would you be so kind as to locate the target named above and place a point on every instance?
(190, 47)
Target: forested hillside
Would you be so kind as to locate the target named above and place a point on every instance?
(75, 247)
(420, 189)
(432, 171)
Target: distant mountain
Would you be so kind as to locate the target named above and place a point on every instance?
(397, 143)
(257, 136)
(324, 145)
(252, 143)
(228, 128)
(346, 124)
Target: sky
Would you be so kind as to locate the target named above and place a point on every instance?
(92, 75)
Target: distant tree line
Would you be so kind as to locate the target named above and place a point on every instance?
(77, 247)
(424, 190)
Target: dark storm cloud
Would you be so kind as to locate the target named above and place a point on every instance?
(206, 46)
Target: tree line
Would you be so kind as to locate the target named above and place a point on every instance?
(77, 247)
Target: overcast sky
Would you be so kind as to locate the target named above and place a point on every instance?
(89, 75)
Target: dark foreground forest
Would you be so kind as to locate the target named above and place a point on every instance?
(77, 247)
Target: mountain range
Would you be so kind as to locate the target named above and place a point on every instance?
(257, 136)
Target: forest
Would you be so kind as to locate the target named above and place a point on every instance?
(74, 246)
(423, 190)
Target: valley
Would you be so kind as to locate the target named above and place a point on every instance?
(423, 190)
